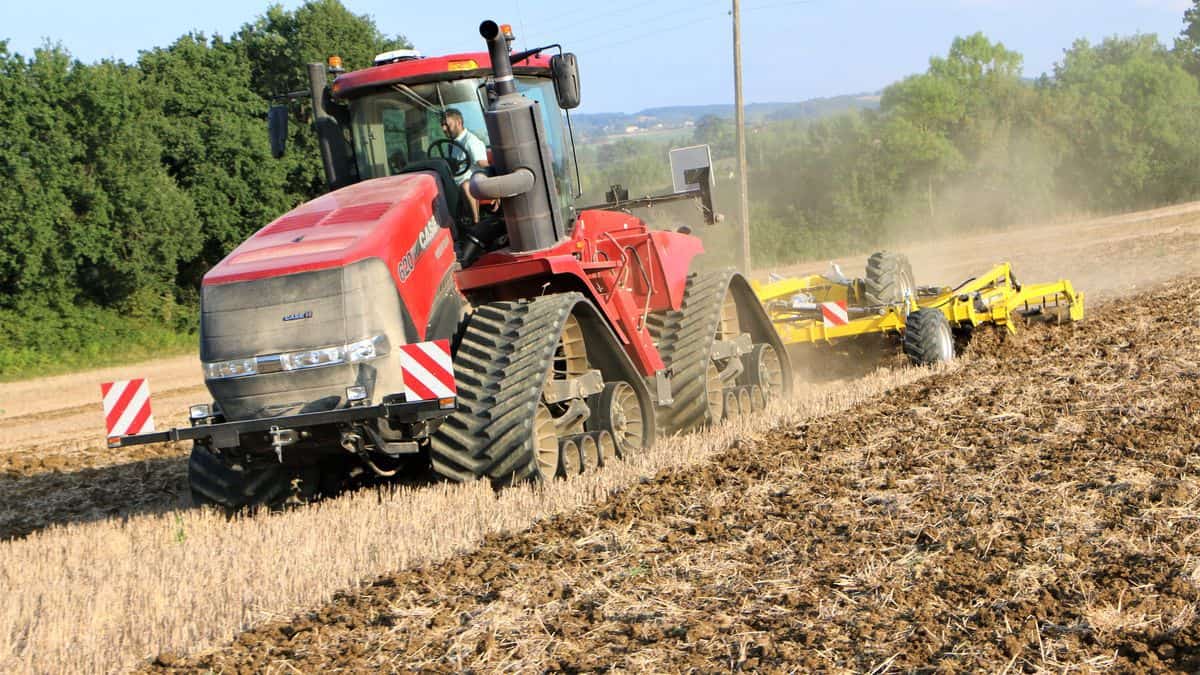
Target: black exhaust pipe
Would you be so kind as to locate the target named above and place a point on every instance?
(524, 172)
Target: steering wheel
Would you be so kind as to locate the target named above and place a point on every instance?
(445, 150)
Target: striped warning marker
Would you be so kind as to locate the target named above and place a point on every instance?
(834, 313)
(428, 371)
(127, 407)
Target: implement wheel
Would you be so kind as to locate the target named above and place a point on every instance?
(889, 279)
(928, 338)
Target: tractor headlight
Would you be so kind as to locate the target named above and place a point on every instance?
(354, 352)
(221, 370)
(312, 358)
(365, 349)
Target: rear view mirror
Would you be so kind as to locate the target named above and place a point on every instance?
(565, 70)
(277, 129)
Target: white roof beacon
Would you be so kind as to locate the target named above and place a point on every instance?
(397, 55)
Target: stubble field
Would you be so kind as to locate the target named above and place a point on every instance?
(1036, 506)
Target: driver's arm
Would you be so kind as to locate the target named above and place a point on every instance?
(479, 152)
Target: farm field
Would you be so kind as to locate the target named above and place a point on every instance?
(1035, 506)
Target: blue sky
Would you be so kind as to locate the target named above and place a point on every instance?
(635, 55)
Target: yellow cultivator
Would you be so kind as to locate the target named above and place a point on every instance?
(825, 308)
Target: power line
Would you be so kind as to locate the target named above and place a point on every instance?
(642, 23)
(653, 33)
(597, 33)
(556, 22)
(776, 5)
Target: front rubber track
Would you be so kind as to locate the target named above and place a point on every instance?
(231, 487)
(502, 362)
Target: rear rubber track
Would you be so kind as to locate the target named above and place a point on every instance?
(685, 339)
(503, 359)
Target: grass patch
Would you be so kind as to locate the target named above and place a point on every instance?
(40, 342)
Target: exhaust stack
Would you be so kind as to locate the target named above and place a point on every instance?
(521, 157)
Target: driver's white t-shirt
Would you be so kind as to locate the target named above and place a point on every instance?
(477, 150)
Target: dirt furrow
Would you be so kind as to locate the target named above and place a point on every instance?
(1039, 508)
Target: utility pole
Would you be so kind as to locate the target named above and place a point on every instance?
(740, 121)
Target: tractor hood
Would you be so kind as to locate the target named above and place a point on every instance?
(318, 300)
(379, 218)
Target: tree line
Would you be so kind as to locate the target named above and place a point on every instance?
(122, 183)
(970, 144)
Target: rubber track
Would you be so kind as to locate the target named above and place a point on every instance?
(501, 364)
(215, 483)
(685, 341)
(884, 271)
(921, 336)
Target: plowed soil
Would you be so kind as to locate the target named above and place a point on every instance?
(1038, 508)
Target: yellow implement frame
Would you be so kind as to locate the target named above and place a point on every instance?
(992, 298)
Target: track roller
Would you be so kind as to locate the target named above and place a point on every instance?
(606, 447)
(589, 451)
(569, 458)
(616, 411)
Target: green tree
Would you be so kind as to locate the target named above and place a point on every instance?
(133, 225)
(280, 43)
(214, 142)
(36, 178)
(1130, 110)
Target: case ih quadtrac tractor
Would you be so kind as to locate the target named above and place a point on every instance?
(574, 335)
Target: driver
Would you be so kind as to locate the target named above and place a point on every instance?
(476, 159)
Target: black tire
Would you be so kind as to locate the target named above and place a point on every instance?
(610, 412)
(928, 338)
(234, 487)
(503, 359)
(685, 340)
(889, 278)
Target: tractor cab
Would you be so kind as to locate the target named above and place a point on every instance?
(388, 120)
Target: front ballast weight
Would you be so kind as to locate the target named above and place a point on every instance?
(827, 309)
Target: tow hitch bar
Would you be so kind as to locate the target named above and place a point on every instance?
(281, 438)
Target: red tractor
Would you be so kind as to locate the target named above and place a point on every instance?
(575, 336)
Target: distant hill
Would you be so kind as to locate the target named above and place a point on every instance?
(673, 117)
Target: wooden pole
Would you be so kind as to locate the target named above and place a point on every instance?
(740, 121)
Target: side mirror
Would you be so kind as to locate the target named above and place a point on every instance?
(565, 70)
(277, 129)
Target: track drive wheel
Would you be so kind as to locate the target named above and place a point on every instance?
(928, 338)
(889, 279)
(231, 486)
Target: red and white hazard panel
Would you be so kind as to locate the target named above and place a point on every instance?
(428, 371)
(127, 407)
(834, 313)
